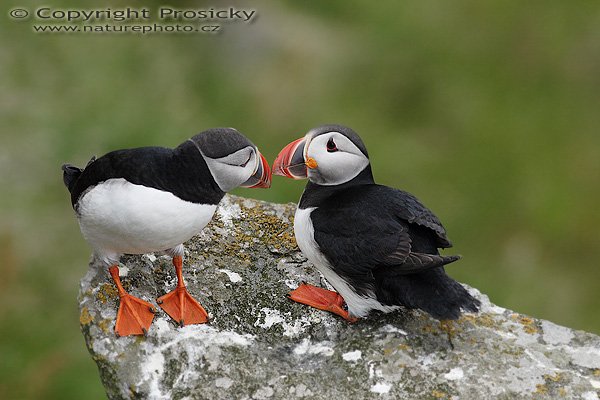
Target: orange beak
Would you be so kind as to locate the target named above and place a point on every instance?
(290, 161)
(262, 176)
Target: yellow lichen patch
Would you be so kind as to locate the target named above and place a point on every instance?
(450, 327)
(541, 388)
(85, 318)
(288, 237)
(532, 330)
(402, 347)
(438, 394)
(554, 378)
(597, 372)
(514, 351)
(484, 320)
(107, 292)
(104, 325)
(562, 392)
(233, 249)
(429, 329)
(257, 227)
(276, 231)
(527, 322)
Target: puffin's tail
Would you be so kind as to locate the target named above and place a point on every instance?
(71, 173)
(432, 291)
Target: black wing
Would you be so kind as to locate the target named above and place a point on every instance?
(409, 208)
(372, 226)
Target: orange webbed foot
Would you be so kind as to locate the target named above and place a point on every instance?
(182, 307)
(134, 316)
(179, 304)
(322, 299)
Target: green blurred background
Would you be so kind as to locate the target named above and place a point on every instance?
(487, 111)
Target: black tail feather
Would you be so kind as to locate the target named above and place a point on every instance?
(417, 263)
(70, 175)
(431, 291)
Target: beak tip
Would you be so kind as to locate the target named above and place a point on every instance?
(262, 177)
(268, 172)
(290, 156)
(277, 170)
(266, 180)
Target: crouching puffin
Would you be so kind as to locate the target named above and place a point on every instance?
(151, 199)
(377, 246)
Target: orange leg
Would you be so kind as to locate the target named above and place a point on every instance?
(179, 304)
(135, 315)
(322, 299)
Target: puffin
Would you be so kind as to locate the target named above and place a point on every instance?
(153, 199)
(376, 245)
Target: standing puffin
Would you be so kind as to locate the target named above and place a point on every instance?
(377, 246)
(150, 199)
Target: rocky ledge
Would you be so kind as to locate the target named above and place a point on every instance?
(260, 345)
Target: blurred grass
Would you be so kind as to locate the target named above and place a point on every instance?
(488, 112)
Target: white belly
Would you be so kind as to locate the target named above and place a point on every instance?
(358, 306)
(123, 218)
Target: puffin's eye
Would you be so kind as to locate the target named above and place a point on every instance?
(331, 147)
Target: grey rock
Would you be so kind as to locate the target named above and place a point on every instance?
(259, 345)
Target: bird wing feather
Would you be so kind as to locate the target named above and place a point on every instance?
(366, 230)
(408, 207)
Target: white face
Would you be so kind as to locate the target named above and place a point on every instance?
(234, 169)
(338, 159)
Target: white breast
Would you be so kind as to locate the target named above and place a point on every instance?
(118, 217)
(358, 306)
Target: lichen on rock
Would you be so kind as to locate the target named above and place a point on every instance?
(259, 345)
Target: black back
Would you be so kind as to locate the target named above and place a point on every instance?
(181, 171)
